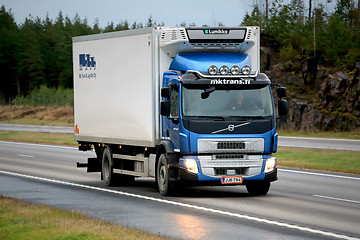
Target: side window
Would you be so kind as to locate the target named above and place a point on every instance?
(174, 101)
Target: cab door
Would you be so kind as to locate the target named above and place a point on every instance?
(173, 127)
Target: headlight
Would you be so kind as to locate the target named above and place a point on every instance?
(246, 70)
(235, 70)
(213, 70)
(270, 164)
(224, 70)
(191, 165)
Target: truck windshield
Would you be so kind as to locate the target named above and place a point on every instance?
(228, 103)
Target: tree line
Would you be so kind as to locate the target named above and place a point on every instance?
(38, 52)
(294, 35)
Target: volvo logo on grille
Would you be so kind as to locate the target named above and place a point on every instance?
(231, 127)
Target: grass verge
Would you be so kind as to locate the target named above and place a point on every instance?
(319, 159)
(19, 220)
(41, 115)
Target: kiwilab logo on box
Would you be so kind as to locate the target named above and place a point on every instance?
(87, 64)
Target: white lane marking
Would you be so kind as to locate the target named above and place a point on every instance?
(319, 174)
(337, 199)
(211, 210)
(23, 155)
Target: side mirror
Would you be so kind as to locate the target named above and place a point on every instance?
(165, 108)
(281, 92)
(165, 92)
(283, 107)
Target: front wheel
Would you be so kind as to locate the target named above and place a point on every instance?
(164, 185)
(258, 188)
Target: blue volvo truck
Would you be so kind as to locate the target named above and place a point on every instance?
(187, 106)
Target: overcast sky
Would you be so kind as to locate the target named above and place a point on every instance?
(169, 12)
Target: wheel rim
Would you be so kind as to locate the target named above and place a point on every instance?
(106, 167)
(162, 177)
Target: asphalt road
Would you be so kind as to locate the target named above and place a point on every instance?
(301, 205)
(320, 143)
(36, 128)
(299, 142)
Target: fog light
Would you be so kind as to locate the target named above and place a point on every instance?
(213, 70)
(270, 164)
(235, 70)
(246, 70)
(224, 70)
(191, 165)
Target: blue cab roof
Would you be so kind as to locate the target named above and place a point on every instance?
(202, 61)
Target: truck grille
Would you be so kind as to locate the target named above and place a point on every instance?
(230, 145)
(229, 156)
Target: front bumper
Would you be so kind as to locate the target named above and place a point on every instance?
(249, 170)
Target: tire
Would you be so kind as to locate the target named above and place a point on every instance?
(258, 188)
(107, 170)
(109, 177)
(162, 177)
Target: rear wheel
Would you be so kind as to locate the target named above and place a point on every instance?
(107, 170)
(110, 178)
(164, 185)
(258, 188)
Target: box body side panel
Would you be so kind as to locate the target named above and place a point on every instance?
(114, 90)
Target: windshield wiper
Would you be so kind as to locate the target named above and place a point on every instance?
(219, 118)
(256, 117)
(247, 117)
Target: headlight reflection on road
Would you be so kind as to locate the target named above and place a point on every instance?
(194, 228)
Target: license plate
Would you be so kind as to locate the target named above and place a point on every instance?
(231, 180)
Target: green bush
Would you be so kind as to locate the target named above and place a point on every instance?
(45, 96)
